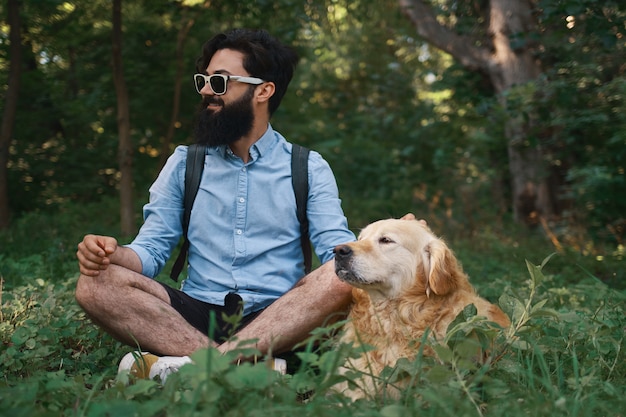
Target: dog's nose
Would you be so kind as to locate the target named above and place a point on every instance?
(342, 251)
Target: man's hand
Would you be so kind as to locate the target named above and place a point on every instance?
(411, 216)
(94, 254)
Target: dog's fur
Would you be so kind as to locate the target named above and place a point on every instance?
(406, 281)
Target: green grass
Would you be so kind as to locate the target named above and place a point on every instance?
(563, 357)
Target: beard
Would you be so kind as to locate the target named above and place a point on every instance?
(226, 125)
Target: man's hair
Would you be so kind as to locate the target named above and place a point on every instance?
(264, 57)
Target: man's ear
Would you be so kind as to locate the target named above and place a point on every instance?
(265, 91)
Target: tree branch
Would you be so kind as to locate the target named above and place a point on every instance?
(462, 48)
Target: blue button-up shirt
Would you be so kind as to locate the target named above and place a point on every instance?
(244, 234)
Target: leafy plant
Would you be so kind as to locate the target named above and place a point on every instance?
(44, 330)
(563, 355)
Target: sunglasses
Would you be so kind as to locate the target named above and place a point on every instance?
(219, 82)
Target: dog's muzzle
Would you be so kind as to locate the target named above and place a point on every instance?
(343, 257)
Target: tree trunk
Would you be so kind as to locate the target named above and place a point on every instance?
(125, 148)
(506, 67)
(528, 174)
(10, 105)
(180, 71)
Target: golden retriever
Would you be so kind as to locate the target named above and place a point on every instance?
(406, 281)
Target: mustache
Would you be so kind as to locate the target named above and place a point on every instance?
(208, 100)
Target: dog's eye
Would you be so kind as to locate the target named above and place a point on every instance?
(384, 240)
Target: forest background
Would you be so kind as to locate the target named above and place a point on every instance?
(502, 123)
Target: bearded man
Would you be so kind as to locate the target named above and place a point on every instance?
(244, 234)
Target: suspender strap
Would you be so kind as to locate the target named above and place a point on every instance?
(300, 181)
(193, 174)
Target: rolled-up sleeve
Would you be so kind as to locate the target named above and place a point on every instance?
(328, 225)
(162, 226)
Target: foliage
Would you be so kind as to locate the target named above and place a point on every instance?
(562, 356)
(404, 128)
(44, 243)
(580, 103)
(44, 331)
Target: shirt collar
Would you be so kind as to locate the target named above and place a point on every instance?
(258, 149)
(265, 143)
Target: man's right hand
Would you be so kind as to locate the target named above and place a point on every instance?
(94, 254)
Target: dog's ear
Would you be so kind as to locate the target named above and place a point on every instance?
(441, 268)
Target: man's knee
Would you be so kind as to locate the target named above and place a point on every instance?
(85, 291)
(89, 289)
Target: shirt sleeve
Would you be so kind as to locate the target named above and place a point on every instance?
(162, 227)
(328, 226)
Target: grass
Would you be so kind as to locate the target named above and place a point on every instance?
(564, 356)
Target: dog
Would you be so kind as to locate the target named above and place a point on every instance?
(406, 280)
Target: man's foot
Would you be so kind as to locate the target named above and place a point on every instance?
(144, 365)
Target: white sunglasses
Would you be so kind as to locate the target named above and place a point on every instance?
(219, 82)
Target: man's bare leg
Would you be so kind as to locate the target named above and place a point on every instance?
(136, 310)
(291, 318)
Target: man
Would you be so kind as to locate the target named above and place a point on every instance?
(244, 234)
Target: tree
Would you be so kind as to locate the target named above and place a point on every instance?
(499, 47)
(406, 122)
(10, 106)
(183, 31)
(125, 149)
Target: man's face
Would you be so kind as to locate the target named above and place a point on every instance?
(226, 118)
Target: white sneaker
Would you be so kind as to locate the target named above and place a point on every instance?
(279, 365)
(144, 365)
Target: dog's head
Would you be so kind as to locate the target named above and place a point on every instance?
(394, 256)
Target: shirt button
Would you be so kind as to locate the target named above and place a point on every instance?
(241, 199)
(239, 231)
